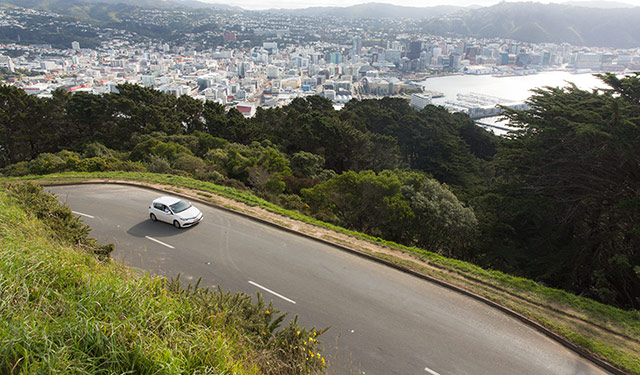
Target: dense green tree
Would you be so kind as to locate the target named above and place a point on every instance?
(190, 113)
(253, 165)
(139, 109)
(407, 207)
(448, 147)
(572, 167)
(21, 121)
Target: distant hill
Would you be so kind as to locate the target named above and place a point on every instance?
(599, 4)
(374, 10)
(535, 22)
(73, 7)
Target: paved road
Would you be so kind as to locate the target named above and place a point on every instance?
(382, 320)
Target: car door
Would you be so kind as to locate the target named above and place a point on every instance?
(163, 213)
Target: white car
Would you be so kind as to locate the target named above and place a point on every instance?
(174, 211)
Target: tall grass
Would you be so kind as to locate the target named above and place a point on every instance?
(67, 311)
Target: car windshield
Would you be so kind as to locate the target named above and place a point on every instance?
(179, 206)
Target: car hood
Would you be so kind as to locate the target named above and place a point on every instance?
(189, 213)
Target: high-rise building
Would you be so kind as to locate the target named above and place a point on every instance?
(75, 46)
(504, 58)
(357, 46)
(415, 48)
(335, 57)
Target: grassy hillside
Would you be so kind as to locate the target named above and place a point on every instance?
(63, 310)
(605, 331)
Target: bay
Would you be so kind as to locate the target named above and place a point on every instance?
(510, 89)
(513, 88)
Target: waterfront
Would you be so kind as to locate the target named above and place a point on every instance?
(516, 88)
(511, 89)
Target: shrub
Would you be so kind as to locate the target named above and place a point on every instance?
(191, 164)
(67, 227)
(274, 185)
(292, 202)
(288, 350)
(46, 163)
(157, 164)
(97, 149)
(16, 170)
(95, 164)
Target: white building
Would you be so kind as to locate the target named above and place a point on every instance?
(419, 101)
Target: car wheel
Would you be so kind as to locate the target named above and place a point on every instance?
(153, 217)
(176, 224)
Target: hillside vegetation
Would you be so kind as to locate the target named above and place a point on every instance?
(556, 201)
(540, 23)
(65, 308)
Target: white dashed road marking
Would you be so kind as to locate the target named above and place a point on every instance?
(272, 292)
(81, 214)
(160, 242)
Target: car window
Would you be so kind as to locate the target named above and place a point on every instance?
(158, 206)
(179, 206)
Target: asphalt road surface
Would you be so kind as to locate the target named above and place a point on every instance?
(382, 321)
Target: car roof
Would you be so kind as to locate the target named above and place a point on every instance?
(166, 200)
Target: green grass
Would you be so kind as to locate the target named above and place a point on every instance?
(609, 332)
(62, 310)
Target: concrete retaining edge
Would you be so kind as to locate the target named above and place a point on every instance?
(554, 336)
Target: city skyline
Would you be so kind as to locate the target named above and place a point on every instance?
(297, 4)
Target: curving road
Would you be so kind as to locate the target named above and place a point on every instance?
(382, 321)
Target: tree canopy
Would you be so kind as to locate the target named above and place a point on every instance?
(557, 200)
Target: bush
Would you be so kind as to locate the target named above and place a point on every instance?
(95, 164)
(67, 227)
(98, 150)
(191, 164)
(274, 185)
(157, 164)
(127, 166)
(292, 202)
(236, 184)
(46, 163)
(215, 177)
(288, 350)
(17, 170)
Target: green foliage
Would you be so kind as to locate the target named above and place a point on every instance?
(448, 147)
(290, 349)
(254, 165)
(307, 165)
(57, 312)
(557, 204)
(66, 227)
(169, 151)
(406, 207)
(571, 170)
(70, 161)
(612, 319)
(98, 150)
(46, 163)
(17, 169)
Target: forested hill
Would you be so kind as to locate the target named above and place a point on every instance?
(539, 23)
(557, 201)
